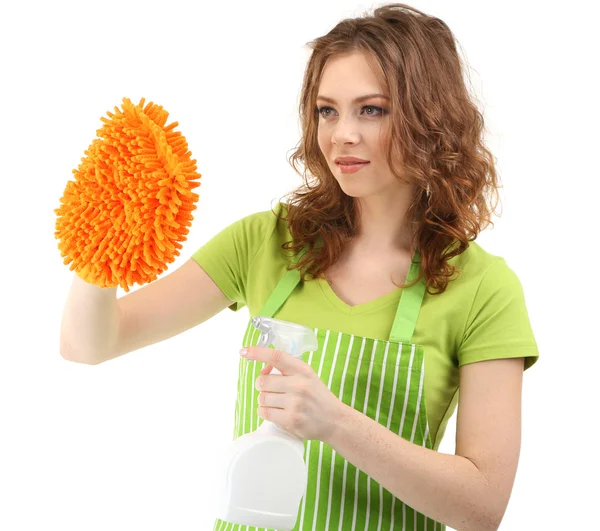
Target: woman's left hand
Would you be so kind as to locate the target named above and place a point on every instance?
(296, 399)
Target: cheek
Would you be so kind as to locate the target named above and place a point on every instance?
(324, 148)
(321, 139)
(384, 140)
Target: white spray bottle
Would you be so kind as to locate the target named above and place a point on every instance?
(265, 476)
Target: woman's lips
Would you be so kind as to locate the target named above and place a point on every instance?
(351, 168)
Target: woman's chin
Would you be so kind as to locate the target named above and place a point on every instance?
(354, 190)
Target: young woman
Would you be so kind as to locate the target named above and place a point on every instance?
(376, 253)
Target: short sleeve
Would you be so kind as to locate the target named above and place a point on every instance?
(227, 256)
(498, 324)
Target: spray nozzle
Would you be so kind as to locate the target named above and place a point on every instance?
(293, 338)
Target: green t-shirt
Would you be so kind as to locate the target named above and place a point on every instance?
(482, 314)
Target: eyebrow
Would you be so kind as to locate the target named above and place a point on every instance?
(357, 100)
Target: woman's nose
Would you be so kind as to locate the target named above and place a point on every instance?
(345, 130)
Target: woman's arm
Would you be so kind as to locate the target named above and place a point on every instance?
(469, 490)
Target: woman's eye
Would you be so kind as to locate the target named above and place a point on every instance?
(379, 109)
(321, 110)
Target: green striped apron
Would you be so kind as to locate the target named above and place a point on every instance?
(381, 379)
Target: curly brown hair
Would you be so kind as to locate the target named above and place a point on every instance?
(436, 144)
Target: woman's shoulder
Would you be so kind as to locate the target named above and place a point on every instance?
(475, 260)
(477, 267)
(268, 217)
(471, 266)
(272, 223)
(262, 222)
(265, 230)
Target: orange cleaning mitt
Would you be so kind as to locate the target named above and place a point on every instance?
(122, 220)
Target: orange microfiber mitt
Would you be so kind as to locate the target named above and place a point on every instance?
(120, 222)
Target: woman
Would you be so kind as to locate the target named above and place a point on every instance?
(372, 403)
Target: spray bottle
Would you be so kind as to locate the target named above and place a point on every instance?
(266, 476)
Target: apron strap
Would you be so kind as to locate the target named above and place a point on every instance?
(284, 288)
(407, 313)
(410, 304)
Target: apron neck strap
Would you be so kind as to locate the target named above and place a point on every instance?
(284, 288)
(410, 303)
(408, 308)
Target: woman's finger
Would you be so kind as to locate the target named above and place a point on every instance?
(272, 400)
(267, 369)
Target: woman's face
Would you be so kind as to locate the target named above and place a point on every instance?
(355, 128)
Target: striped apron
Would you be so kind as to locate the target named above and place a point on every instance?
(381, 379)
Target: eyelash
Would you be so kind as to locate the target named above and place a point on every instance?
(320, 110)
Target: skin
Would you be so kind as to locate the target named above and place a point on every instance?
(361, 130)
(468, 490)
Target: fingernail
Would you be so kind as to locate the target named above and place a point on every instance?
(244, 351)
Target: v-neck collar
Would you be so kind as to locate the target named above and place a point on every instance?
(388, 298)
(407, 311)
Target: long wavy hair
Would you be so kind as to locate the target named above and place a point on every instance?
(436, 143)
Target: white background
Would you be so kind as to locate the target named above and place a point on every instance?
(133, 444)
